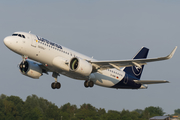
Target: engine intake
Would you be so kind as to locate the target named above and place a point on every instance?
(80, 66)
(30, 69)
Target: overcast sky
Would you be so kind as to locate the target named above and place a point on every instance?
(105, 29)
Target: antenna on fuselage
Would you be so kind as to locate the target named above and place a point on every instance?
(29, 31)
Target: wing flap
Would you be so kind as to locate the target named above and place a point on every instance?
(150, 81)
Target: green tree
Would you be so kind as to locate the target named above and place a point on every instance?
(37, 108)
(68, 111)
(33, 114)
(125, 115)
(31, 102)
(9, 109)
(71, 109)
(18, 103)
(177, 112)
(101, 113)
(1, 105)
(53, 112)
(13, 107)
(3, 96)
(135, 115)
(112, 115)
(152, 111)
(87, 111)
(138, 111)
(9, 116)
(2, 116)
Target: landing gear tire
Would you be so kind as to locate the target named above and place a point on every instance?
(88, 84)
(91, 84)
(55, 85)
(58, 85)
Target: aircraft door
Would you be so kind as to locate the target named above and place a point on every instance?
(125, 79)
(33, 41)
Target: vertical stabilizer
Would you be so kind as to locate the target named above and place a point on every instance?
(135, 70)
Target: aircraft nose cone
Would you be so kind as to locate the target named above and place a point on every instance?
(7, 41)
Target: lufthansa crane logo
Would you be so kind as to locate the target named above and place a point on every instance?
(136, 70)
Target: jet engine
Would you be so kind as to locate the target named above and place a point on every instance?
(80, 66)
(30, 69)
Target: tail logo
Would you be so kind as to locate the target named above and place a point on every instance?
(136, 70)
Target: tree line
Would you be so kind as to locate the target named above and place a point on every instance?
(38, 108)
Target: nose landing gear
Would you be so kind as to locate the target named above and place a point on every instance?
(56, 84)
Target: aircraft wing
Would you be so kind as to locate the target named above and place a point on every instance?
(127, 63)
(150, 81)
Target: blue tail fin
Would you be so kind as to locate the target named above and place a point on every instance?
(134, 70)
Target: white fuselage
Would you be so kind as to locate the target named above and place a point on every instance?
(45, 52)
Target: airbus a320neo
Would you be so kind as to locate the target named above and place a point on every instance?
(48, 56)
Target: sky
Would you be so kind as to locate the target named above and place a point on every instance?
(106, 30)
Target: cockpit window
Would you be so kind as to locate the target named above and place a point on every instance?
(14, 34)
(19, 35)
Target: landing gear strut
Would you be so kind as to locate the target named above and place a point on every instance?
(88, 84)
(24, 57)
(56, 84)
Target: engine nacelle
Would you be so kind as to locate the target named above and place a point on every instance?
(30, 69)
(60, 63)
(80, 66)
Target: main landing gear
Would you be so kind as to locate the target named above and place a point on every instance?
(56, 84)
(88, 83)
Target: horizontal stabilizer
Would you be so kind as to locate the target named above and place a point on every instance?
(150, 81)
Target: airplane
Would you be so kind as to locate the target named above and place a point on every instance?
(40, 55)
